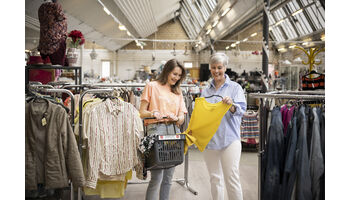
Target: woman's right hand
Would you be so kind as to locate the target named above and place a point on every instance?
(157, 115)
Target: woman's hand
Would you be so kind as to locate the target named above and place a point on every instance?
(229, 101)
(173, 117)
(157, 115)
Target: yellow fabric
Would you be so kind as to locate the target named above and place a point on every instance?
(205, 120)
(109, 189)
(76, 118)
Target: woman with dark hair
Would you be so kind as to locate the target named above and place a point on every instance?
(163, 98)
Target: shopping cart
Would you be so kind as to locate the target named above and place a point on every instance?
(167, 150)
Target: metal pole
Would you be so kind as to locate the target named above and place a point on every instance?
(265, 60)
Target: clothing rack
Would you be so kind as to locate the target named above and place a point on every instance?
(41, 88)
(183, 181)
(299, 95)
(132, 85)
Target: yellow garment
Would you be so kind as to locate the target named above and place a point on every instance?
(109, 189)
(205, 120)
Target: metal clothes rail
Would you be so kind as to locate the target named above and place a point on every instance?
(77, 70)
(298, 95)
(131, 85)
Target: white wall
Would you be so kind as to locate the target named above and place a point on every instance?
(245, 60)
(102, 54)
(133, 60)
(124, 63)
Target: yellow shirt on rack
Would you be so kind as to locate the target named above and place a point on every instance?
(205, 120)
(109, 189)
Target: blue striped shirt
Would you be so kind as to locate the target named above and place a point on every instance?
(229, 129)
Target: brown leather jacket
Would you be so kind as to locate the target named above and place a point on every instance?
(51, 151)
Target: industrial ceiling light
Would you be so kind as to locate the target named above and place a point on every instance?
(254, 34)
(93, 54)
(233, 45)
(227, 47)
(215, 23)
(107, 11)
(122, 27)
(225, 11)
(237, 42)
(292, 46)
(245, 39)
(208, 31)
(297, 12)
(282, 49)
(279, 22)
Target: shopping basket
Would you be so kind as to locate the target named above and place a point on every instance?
(167, 151)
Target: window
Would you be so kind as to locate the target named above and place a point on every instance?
(106, 69)
(187, 65)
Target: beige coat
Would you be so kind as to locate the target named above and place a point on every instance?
(51, 151)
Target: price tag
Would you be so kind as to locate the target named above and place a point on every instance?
(43, 121)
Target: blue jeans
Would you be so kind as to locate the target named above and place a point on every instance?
(161, 179)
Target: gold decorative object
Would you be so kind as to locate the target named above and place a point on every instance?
(311, 55)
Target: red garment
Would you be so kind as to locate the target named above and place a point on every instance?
(53, 27)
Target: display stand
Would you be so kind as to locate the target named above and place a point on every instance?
(77, 72)
(299, 95)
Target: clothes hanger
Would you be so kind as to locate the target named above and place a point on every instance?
(214, 95)
(312, 72)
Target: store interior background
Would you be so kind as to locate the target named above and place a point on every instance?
(130, 58)
(167, 35)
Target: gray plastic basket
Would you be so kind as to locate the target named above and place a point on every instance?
(167, 151)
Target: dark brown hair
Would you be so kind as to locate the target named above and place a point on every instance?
(169, 67)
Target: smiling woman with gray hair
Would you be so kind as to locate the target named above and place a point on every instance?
(223, 152)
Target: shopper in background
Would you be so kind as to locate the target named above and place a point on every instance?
(223, 152)
(53, 32)
(163, 98)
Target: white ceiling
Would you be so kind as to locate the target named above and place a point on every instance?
(140, 17)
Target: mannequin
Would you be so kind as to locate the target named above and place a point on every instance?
(53, 32)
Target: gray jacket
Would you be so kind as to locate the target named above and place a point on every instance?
(51, 151)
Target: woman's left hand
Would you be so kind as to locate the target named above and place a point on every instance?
(173, 117)
(227, 100)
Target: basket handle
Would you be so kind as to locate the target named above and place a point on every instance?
(145, 128)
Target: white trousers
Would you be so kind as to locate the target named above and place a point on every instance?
(223, 167)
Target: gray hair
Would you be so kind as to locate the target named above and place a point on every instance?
(219, 58)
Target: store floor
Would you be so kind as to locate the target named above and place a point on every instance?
(199, 180)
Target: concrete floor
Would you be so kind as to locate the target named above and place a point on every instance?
(199, 180)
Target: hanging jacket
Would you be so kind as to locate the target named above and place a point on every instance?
(289, 174)
(274, 158)
(316, 158)
(51, 151)
(303, 184)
